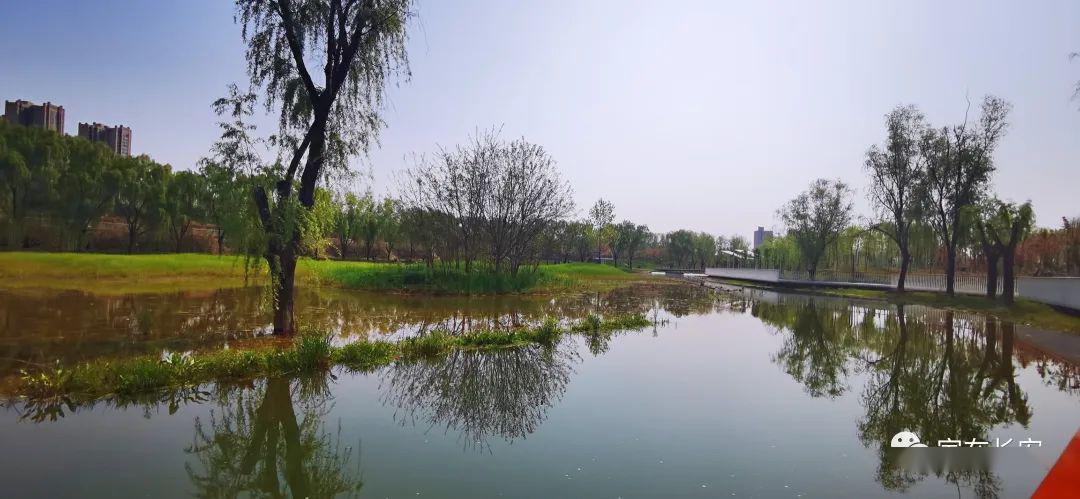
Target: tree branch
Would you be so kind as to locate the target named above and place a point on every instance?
(288, 23)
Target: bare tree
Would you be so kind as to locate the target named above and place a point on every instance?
(502, 194)
(959, 163)
(896, 175)
(816, 217)
(526, 195)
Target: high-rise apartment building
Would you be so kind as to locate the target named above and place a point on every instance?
(48, 115)
(761, 235)
(118, 138)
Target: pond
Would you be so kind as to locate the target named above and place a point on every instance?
(736, 393)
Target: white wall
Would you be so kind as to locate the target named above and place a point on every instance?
(1060, 291)
(767, 275)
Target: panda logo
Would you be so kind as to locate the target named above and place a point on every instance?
(906, 439)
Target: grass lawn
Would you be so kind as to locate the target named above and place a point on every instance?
(119, 274)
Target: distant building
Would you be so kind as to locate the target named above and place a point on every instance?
(48, 115)
(118, 138)
(761, 235)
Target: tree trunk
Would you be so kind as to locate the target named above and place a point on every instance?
(991, 275)
(950, 268)
(282, 264)
(905, 262)
(133, 233)
(220, 242)
(1008, 287)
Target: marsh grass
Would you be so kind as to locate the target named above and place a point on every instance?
(450, 279)
(309, 352)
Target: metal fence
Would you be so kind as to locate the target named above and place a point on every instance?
(973, 284)
(965, 283)
(838, 276)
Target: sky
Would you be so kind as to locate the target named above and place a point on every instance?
(699, 115)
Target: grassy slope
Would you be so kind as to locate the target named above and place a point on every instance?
(1022, 312)
(117, 274)
(114, 274)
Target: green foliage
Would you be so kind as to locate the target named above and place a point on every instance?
(590, 323)
(87, 184)
(141, 197)
(434, 343)
(311, 351)
(549, 332)
(30, 163)
(185, 195)
(817, 217)
(365, 356)
(679, 247)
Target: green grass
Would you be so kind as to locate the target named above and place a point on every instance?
(308, 352)
(454, 280)
(120, 274)
(115, 274)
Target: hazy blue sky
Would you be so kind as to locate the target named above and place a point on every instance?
(703, 115)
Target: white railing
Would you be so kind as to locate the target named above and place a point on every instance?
(838, 276)
(1060, 291)
(974, 284)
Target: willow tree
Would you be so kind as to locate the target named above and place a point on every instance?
(959, 164)
(816, 217)
(1005, 225)
(602, 214)
(896, 174)
(326, 117)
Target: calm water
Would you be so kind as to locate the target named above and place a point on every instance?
(747, 393)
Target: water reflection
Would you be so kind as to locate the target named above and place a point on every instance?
(269, 440)
(41, 327)
(478, 395)
(938, 373)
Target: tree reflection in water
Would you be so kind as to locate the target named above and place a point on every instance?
(258, 444)
(501, 393)
(940, 374)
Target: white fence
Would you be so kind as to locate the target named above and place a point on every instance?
(838, 276)
(1060, 291)
(762, 275)
(973, 284)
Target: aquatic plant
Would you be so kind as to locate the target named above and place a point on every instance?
(365, 356)
(311, 351)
